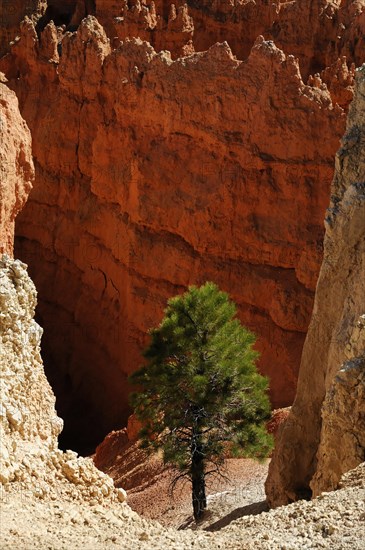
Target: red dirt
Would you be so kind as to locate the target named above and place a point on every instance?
(148, 485)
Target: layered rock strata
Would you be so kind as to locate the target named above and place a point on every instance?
(154, 174)
(324, 434)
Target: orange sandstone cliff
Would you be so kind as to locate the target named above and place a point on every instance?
(153, 173)
(16, 165)
(318, 32)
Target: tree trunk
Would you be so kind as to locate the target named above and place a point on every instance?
(198, 481)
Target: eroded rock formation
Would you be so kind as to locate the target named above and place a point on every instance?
(27, 404)
(328, 29)
(153, 174)
(342, 445)
(11, 14)
(29, 426)
(16, 165)
(313, 452)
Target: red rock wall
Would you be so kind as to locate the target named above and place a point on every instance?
(318, 32)
(11, 14)
(328, 29)
(16, 165)
(154, 174)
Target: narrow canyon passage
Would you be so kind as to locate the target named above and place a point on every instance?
(134, 199)
(96, 312)
(150, 145)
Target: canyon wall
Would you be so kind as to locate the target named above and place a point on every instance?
(12, 12)
(16, 165)
(324, 434)
(153, 173)
(30, 461)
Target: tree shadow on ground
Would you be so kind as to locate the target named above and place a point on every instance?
(249, 510)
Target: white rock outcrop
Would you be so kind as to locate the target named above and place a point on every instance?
(342, 445)
(29, 425)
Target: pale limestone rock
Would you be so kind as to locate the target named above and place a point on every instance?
(342, 445)
(26, 398)
(324, 434)
(29, 425)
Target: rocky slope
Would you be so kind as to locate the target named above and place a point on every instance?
(29, 427)
(324, 434)
(148, 484)
(16, 165)
(335, 521)
(152, 174)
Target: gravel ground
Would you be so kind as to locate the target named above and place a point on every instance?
(240, 492)
(334, 521)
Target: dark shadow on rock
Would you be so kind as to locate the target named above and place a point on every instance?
(249, 510)
(189, 523)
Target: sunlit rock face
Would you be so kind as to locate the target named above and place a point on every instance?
(323, 436)
(16, 165)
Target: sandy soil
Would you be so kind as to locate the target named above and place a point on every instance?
(335, 521)
(239, 493)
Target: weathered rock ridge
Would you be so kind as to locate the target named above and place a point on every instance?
(16, 165)
(12, 12)
(29, 456)
(324, 434)
(152, 174)
(329, 29)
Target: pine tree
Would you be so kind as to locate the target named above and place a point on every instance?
(200, 390)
